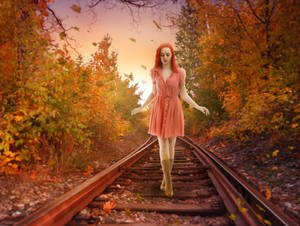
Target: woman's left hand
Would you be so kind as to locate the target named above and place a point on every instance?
(204, 110)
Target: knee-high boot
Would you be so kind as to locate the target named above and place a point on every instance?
(167, 177)
(163, 183)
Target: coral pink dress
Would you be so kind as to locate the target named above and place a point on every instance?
(167, 118)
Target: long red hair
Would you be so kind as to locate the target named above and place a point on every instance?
(158, 63)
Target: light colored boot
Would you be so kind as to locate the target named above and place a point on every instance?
(163, 183)
(167, 175)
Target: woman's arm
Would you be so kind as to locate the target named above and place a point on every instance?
(146, 103)
(184, 95)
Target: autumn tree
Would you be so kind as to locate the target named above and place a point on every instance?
(250, 50)
(52, 108)
(187, 51)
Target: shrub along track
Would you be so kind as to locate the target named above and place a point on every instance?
(205, 192)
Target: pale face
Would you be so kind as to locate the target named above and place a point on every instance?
(165, 55)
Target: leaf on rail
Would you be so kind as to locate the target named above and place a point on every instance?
(108, 206)
(243, 209)
(267, 222)
(127, 211)
(240, 202)
(232, 216)
(139, 197)
(88, 170)
(260, 218)
(268, 193)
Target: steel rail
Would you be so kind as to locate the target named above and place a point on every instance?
(61, 210)
(271, 212)
(231, 197)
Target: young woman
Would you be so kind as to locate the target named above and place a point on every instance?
(167, 121)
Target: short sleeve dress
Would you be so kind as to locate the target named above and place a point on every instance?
(167, 118)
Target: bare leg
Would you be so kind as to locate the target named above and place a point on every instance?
(164, 159)
(172, 143)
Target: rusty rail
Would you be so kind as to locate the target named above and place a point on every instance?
(271, 212)
(238, 196)
(61, 210)
(231, 197)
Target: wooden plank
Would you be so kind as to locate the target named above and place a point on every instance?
(203, 209)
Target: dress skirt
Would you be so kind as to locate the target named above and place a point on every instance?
(167, 119)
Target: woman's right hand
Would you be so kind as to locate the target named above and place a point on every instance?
(136, 110)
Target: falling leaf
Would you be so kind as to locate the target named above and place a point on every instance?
(76, 28)
(274, 154)
(144, 67)
(132, 39)
(62, 35)
(94, 44)
(232, 216)
(157, 25)
(76, 8)
(268, 193)
(108, 206)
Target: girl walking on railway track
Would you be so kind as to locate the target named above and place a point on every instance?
(167, 120)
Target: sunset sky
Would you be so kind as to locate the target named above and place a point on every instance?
(116, 20)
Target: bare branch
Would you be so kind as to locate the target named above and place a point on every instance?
(59, 22)
(273, 9)
(135, 3)
(254, 13)
(95, 4)
(245, 29)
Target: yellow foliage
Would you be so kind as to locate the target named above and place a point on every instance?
(232, 216)
(274, 154)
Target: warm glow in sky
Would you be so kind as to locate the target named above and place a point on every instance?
(117, 21)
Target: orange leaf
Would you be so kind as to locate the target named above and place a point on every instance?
(268, 193)
(76, 8)
(132, 39)
(33, 176)
(109, 205)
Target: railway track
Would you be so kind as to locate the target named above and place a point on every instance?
(206, 192)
